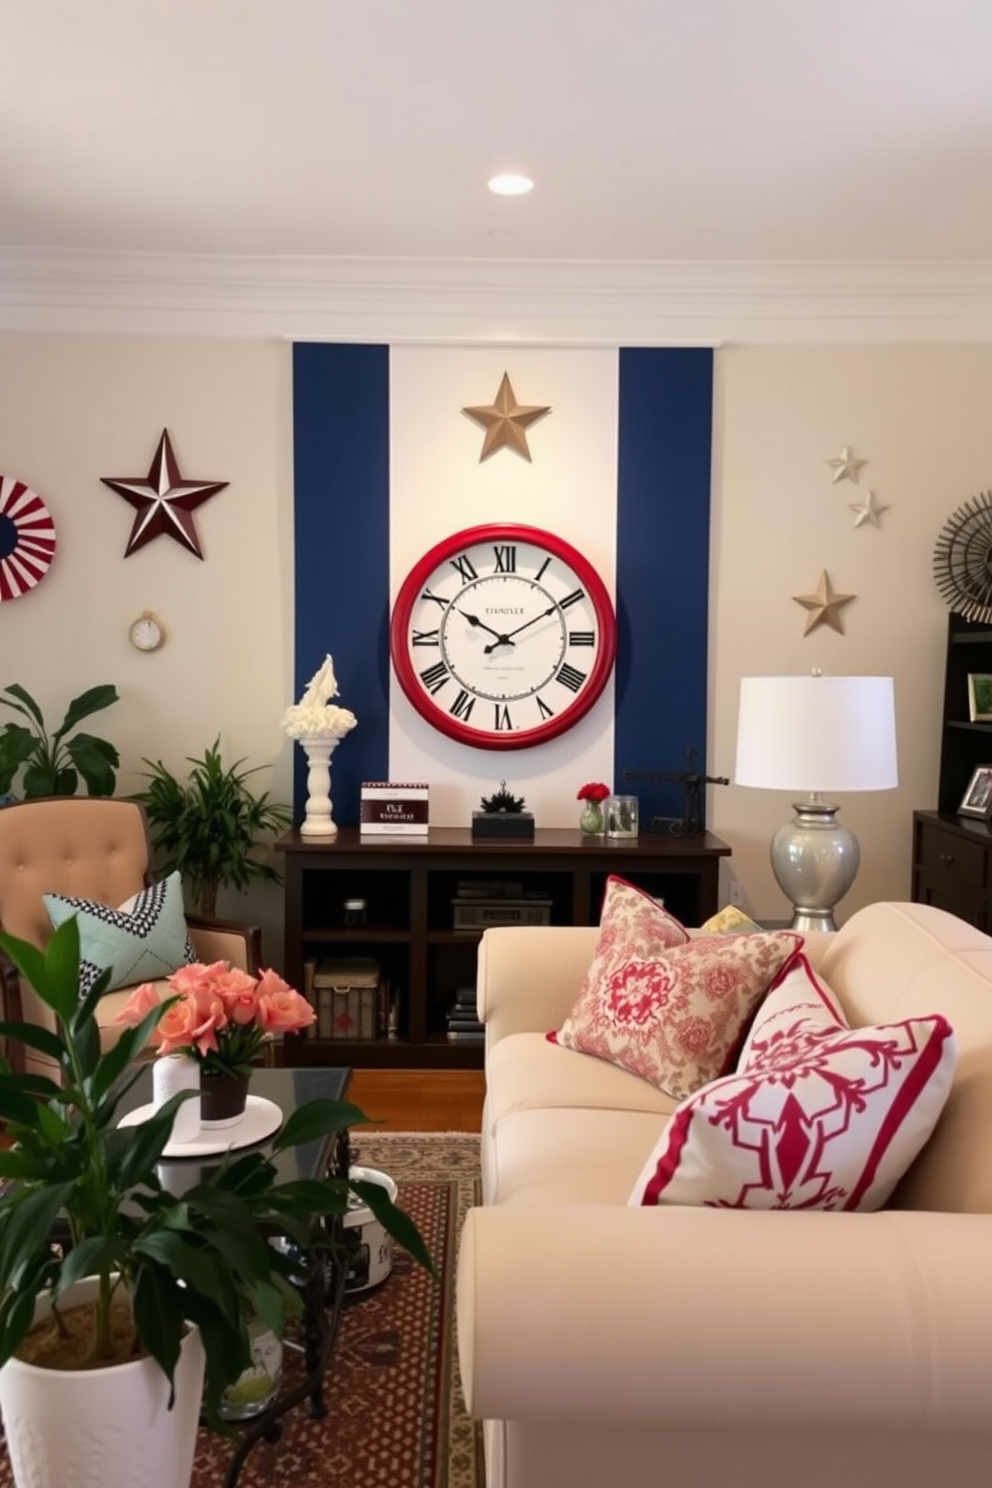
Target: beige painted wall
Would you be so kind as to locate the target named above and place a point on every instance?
(919, 416)
(75, 407)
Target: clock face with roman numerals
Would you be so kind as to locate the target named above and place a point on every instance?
(503, 636)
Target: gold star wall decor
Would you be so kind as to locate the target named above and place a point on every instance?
(505, 421)
(868, 511)
(163, 501)
(846, 467)
(824, 605)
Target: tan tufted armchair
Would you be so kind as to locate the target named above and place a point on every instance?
(92, 848)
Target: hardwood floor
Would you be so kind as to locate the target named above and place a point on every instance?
(420, 1100)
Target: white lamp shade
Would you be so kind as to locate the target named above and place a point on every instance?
(817, 734)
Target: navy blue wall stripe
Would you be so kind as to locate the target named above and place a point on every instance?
(663, 483)
(341, 473)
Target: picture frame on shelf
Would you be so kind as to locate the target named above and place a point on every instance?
(977, 799)
(980, 697)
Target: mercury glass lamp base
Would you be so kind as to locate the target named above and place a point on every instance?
(814, 860)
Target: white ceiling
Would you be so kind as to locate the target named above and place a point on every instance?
(661, 132)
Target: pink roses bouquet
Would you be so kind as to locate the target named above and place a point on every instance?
(219, 1015)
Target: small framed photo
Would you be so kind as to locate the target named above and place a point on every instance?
(980, 697)
(977, 799)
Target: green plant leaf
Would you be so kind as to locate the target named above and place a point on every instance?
(158, 1314)
(24, 703)
(318, 1118)
(54, 975)
(36, 1037)
(17, 1313)
(394, 1221)
(197, 1265)
(312, 1196)
(31, 1218)
(89, 1257)
(93, 700)
(134, 1151)
(16, 1104)
(115, 1060)
(17, 744)
(95, 761)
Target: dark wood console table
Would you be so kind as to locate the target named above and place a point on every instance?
(409, 884)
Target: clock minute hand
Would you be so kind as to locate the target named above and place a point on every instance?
(532, 621)
(478, 624)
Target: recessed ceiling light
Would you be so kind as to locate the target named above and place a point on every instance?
(511, 185)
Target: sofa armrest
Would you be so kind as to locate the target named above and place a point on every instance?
(614, 1316)
(528, 976)
(226, 940)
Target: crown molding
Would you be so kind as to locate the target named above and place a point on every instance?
(458, 300)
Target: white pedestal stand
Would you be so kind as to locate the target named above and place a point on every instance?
(318, 821)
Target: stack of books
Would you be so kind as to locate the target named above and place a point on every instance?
(480, 902)
(464, 1026)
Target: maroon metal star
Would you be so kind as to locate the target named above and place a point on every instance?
(163, 501)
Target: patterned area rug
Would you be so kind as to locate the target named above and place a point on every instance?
(395, 1414)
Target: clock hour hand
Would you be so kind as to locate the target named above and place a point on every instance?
(508, 638)
(477, 624)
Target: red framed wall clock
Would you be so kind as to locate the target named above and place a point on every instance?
(503, 636)
(27, 538)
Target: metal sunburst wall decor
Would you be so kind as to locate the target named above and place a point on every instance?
(962, 559)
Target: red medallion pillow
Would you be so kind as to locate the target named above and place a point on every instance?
(663, 1006)
(817, 1116)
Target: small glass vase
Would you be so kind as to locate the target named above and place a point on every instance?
(222, 1099)
(621, 816)
(256, 1387)
(591, 823)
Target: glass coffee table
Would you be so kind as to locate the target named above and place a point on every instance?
(324, 1282)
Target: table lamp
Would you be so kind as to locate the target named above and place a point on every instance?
(816, 734)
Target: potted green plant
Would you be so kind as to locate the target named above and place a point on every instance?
(192, 1270)
(53, 763)
(210, 827)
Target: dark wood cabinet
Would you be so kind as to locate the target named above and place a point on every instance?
(952, 865)
(963, 745)
(409, 885)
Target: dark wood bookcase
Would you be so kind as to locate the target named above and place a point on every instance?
(409, 885)
(963, 745)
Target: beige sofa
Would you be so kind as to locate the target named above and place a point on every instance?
(691, 1348)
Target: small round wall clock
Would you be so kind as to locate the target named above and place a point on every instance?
(146, 633)
(503, 636)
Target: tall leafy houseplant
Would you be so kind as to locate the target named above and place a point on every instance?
(209, 826)
(53, 763)
(197, 1259)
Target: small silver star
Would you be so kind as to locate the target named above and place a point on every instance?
(846, 467)
(867, 511)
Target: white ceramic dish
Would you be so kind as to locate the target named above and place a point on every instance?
(262, 1117)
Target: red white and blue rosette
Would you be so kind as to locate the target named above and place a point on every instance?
(27, 538)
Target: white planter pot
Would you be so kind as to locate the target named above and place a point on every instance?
(370, 1250)
(102, 1428)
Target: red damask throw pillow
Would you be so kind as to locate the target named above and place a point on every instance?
(817, 1116)
(665, 1007)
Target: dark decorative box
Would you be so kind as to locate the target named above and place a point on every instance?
(503, 826)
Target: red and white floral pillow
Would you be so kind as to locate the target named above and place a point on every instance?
(665, 1007)
(817, 1116)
